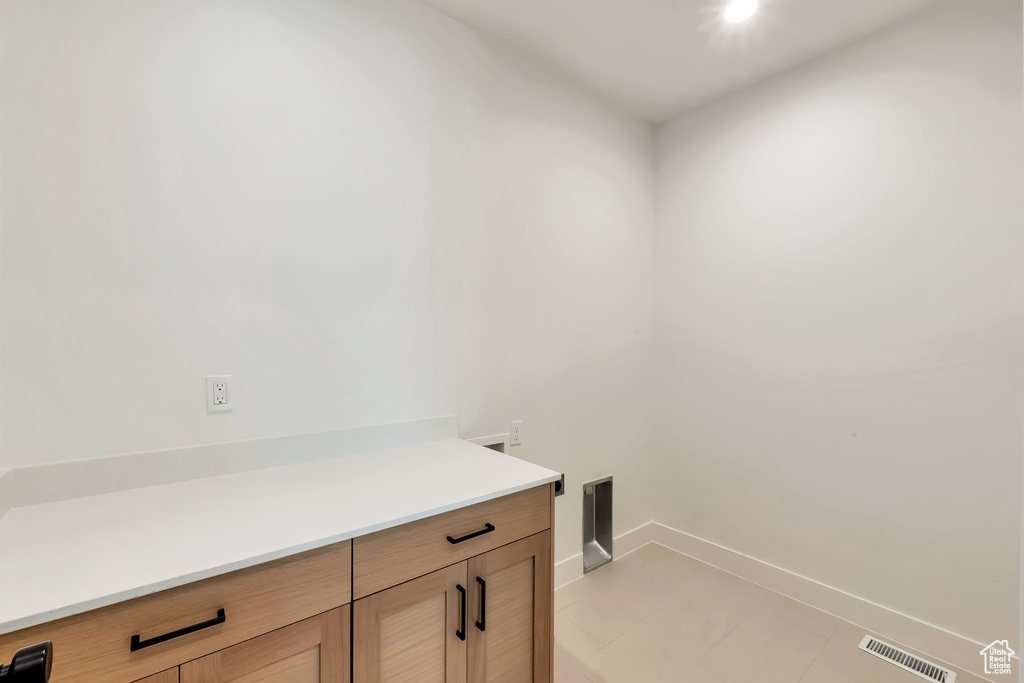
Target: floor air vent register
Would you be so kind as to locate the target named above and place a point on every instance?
(905, 660)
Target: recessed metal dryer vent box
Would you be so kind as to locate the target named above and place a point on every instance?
(597, 524)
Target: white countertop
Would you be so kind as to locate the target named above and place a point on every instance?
(67, 557)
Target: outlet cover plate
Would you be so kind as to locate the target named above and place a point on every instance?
(219, 395)
(515, 433)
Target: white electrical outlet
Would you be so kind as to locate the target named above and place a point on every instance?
(515, 433)
(219, 397)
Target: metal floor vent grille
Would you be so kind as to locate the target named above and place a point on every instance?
(905, 660)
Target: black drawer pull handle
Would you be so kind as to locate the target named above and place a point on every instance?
(483, 604)
(488, 528)
(138, 643)
(461, 633)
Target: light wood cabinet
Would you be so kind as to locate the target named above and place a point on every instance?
(414, 632)
(511, 588)
(311, 651)
(386, 558)
(169, 676)
(461, 597)
(130, 640)
(485, 620)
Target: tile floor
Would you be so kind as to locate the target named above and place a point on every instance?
(656, 616)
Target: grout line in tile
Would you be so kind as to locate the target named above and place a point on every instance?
(603, 644)
(811, 663)
(570, 604)
(585, 676)
(738, 623)
(935, 658)
(760, 604)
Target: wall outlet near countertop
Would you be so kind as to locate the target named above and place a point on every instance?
(219, 397)
(515, 433)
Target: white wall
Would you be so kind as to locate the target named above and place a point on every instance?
(365, 213)
(360, 209)
(839, 319)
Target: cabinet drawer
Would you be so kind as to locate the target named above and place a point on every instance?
(389, 557)
(97, 646)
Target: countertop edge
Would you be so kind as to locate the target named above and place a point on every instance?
(177, 582)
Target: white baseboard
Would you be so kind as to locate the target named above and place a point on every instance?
(938, 643)
(571, 569)
(568, 570)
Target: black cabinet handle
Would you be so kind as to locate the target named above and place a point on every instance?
(461, 633)
(488, 528)
(138, 643)
(32, 663)
(483, 604)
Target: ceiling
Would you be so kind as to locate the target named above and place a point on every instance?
(661, 57)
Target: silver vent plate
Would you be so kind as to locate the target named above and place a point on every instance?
(905, 660)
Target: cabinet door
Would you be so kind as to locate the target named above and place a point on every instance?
(169, 676)
(414, 632)
(312, 651)
(511, 598)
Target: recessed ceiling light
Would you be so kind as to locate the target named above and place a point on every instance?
(739, 10)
